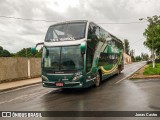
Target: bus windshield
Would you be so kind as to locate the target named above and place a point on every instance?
(63, 58)
(66, 31)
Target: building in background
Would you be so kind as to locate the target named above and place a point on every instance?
(127, 58)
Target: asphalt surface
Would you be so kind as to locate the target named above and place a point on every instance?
(115, 94)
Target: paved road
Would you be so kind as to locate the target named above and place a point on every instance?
(114, 94)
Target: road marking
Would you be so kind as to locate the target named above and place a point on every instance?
(3, 92)
(121, 80)
(25, 96)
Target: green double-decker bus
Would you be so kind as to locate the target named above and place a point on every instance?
(79, 54)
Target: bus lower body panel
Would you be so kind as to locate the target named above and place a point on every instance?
(76, 84)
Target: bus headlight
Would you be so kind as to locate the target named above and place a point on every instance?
(78, 75)
(44, 77)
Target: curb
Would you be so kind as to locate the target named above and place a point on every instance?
(145, 78)
(128, 77)
(149, 77)
(134, 72)
(18, 79)
(11, 88)
(137, 70)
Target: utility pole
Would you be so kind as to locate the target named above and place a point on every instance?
(28, 65)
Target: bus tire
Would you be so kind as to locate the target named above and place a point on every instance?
(119, 72)
(119, 69)
(98, 80)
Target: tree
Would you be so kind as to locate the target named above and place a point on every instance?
(144, 56)
(1, 48)
(138, 58)
(1, 51)
(39, 54)
(153, 32)
(4, 53)
(126, 46)
(132, 55)
(26, 52)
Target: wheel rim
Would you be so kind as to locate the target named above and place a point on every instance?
(97, 80)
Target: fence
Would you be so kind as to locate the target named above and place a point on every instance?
(19, 68)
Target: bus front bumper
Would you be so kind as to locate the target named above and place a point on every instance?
(50, 84)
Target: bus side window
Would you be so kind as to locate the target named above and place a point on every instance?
(93, 32)
(97, 32)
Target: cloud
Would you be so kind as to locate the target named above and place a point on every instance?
(6, 8)
(16, 34)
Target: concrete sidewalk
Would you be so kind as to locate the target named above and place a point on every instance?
(20, 83)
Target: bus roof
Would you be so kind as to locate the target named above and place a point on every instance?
(72, 21)
(111, 35)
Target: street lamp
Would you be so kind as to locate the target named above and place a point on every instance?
(151, 23)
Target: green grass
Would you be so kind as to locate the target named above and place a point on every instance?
(152, 71)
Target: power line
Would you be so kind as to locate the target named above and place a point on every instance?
(40, 20)
(19, 18)
(124, 23)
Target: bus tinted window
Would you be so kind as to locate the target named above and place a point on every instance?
(93, 32)
(89, 59)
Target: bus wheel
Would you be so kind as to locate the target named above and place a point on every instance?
(98, 80)
(119, 69)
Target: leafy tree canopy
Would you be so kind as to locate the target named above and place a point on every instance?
(4, 53)
(153, 32)
(126, 46)
(138, 58)
(26, 52)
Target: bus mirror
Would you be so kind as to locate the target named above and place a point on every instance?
(83, 48)
(33, 50)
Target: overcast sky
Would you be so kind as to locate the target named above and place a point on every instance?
(17, 34)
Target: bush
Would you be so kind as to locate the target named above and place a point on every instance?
(157, 60)
(152, 71)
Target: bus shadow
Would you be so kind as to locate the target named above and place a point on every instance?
(112, 79)
(104, 83)
(71, 91)
(77, 90)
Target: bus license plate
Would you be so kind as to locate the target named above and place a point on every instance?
(59, 84)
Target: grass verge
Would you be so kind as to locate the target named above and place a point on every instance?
(149, 70)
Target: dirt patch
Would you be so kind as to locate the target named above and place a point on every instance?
(139, 74)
